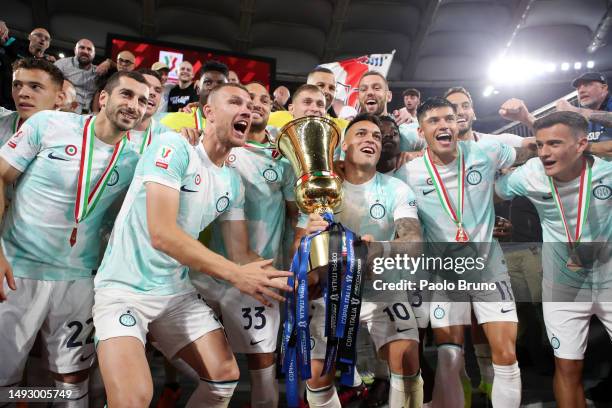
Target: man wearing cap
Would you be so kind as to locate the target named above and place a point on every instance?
(163, 70)
(595, 106)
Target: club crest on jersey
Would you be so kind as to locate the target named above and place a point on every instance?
(473, 177)
(312, 344)
(377, 211)
(555, 343)
(602, 192)
(270, 175)
(15, 139)
(127, 319)
(164, 154)
(114, 177)
(222, 203)
(71, 150)
(197, 180)
(439, 313)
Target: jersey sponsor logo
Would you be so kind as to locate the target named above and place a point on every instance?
(554, 342)
(86, 358)
(312, 344)
(222, 203)
(270, 175)
(602, 192)
(429, 182)
(54, 157)
(164, 155)
(114, 178)
(425, 192)
(377, 211)
(71, 150)
(438, 312)
(197, 180)
(252, 343)
(506, 310)
(186, 190)
(547, 197)
(15, 139)
(403, 330)
(473, 177)
(412, 203)
(127, 319)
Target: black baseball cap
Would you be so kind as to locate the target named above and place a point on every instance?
(589, 77)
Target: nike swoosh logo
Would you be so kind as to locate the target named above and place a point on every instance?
(428, 191)
(506, 311)
(86, 358)
(547, 197)
(54, 157)
(257, 342)
(185, 189)
(403, 330)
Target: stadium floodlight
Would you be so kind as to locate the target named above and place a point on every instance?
(565, 66)
(577, 65)
(590, 64)
(551, 67)
(488, 91)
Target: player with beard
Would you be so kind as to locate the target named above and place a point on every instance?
(446, 167)
(71, 169)
(572, 194)
(252, 328)
(37, 86)
(213, 73)
(148, 129)
(379, 208)
(81, 72)
(325, 80)
(374, 95)
(143, 285)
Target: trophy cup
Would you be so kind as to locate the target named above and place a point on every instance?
(309, 143)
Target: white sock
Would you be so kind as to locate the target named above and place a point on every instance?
(483, 357)
(506, 386)
(212, 394)
(448, 391)
(264, 388)
(406, 391)
(78, 396)
(325, 397)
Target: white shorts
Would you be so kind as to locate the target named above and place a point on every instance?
(174, 320)
(385, 323)
(420, 302)
(250, 326)
(567, 323)
(61, 311)
(453, 308)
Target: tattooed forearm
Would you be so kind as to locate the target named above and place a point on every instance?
(524, 153)
(407, 230)
(603, 118)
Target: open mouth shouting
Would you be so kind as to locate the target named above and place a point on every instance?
(548, 163)
(240, 127)
(444, 139)
(371, 104)
(368, 149)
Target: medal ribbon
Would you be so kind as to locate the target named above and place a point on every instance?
(87, 198)
(199, 118)
(456, 216)
(16, 124)
(584, 199)
(146, 139)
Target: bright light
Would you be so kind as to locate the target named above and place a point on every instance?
(61, 55)
(565, 66)
(488, 90)
(590, 64)
(551, 67)
(577, 65)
